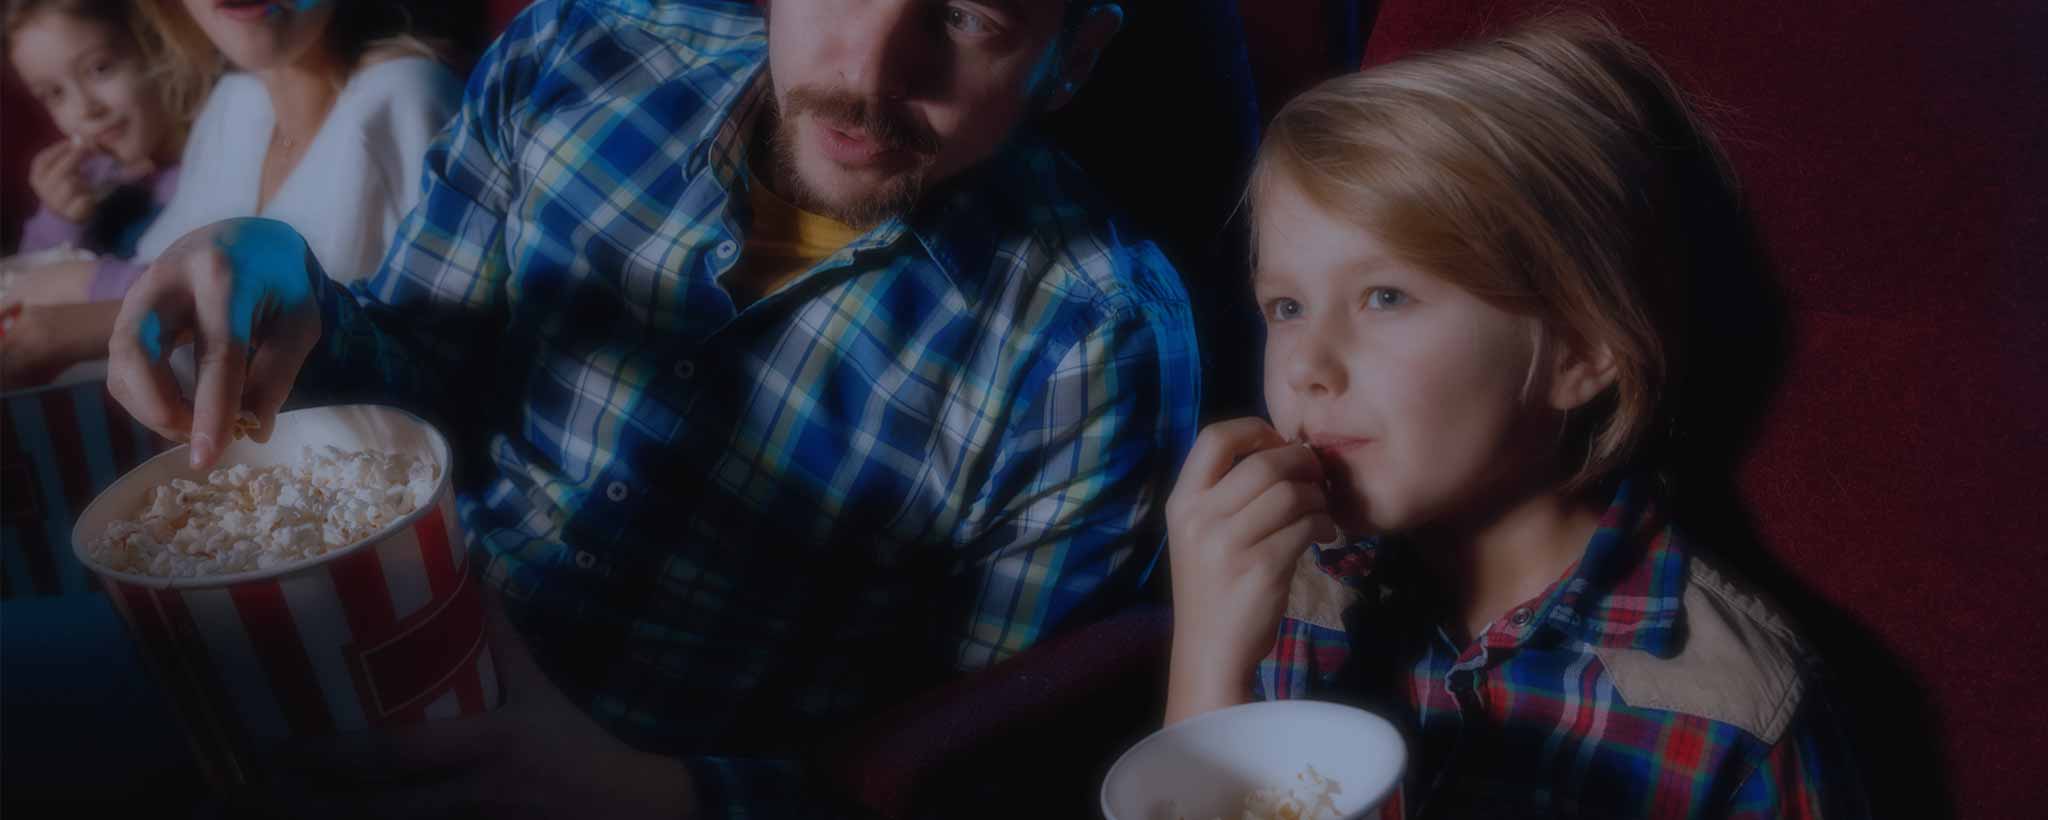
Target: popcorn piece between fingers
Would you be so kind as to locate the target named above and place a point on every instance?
(246, 425)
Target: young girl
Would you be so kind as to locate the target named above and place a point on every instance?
(1471, 266)
(322, 123)
(100, 71)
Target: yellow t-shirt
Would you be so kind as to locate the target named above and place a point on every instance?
(784, 242)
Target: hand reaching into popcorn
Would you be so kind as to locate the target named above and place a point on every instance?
(243, 291)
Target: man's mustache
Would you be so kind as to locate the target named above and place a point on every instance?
(894, 129)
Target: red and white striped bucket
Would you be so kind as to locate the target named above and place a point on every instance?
(386, 632)
(60, 445)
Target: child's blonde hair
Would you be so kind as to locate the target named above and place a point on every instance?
(1544, 170)
(183, 82)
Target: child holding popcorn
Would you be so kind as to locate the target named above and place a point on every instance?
(1472, 267)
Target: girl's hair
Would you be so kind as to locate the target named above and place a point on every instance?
(1547, 171)
(184, 83)
(361, 32)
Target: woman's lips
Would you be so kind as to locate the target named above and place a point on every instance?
(245, 9)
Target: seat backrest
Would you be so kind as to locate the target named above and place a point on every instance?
(1889, 153)
(1167, 128)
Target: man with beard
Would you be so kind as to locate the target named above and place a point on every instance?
(789, 371)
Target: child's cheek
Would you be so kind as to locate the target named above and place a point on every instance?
(1351, 506)
(1280, 400)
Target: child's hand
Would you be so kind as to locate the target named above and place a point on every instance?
(1247, 504)
(53, 175)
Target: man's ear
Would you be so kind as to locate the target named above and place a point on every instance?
(1579, 372)
(1098, 26)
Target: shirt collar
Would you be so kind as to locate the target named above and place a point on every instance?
(725, 155)
(1625, 591)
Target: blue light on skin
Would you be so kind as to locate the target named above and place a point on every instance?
(269, 262)
(152, 337)
(278, 9)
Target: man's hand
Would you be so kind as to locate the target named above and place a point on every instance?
(243, 291)
(1246, 506)
(536, 756)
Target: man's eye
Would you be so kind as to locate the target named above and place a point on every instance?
(1282, 309)
(1385, 299)
(967, 22)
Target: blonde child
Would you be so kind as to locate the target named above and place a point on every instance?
(98, 68)
(1471, 266)
(124, 104)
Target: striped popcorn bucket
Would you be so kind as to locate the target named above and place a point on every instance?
(386, 632)
(60, 446)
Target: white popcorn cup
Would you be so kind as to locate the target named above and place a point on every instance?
(385, 632)
(1205, 766)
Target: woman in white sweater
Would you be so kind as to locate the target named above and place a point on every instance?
(357, 178)
(323, 123)
(324, 127)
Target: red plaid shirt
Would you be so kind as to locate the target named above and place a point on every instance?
(1641, 684)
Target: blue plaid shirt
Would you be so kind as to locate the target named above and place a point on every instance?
(727, 531)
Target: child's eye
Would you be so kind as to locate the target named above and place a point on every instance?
(102, 67)
(1385, 299)
(1282, 309)
(968, 22)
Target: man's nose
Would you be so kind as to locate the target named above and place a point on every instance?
(886, 45)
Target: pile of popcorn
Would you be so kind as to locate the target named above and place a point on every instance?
(1311, 800)
(248, 518)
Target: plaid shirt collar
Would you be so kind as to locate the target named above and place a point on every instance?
(955, 226)
(1625, 591)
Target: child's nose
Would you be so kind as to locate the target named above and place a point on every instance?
(1316, 371)
(91, 104)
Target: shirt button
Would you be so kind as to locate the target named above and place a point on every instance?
(1520, 617)
(727, 248)
(685, 369)
(616, 492)
(585, 560)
